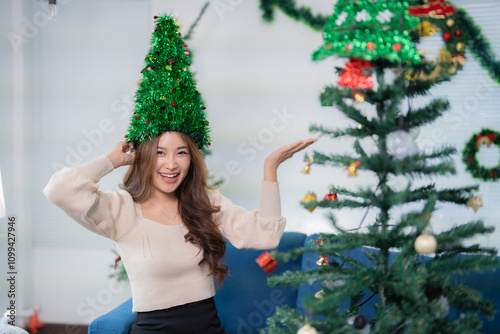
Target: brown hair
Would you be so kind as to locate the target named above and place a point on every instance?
(194, 203)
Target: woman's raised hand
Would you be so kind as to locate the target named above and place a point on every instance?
(274, 159)
(121, 154)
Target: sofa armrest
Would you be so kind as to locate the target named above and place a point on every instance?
(116, 321)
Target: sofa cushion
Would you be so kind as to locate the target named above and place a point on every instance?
(245, 300)
(117, 321)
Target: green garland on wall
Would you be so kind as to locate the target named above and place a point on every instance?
(289, 8)
(479, 45)
(471, 34)
(486, 137)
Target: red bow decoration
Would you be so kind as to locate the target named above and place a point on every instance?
(267, 262)
(491, 136)
(485, 139)
(437, 9)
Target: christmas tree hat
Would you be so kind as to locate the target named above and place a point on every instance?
(167, 98)
(370, 30)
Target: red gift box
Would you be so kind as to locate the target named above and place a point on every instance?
(267, 262)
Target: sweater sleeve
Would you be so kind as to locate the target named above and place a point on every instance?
(257, 229)
(75, 191)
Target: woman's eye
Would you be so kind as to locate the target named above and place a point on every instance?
(183, 153)
(159, 152)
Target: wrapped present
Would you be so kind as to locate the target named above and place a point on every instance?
(267, 262)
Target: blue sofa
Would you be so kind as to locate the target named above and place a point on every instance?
(245, 300)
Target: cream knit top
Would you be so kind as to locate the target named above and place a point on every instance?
(162, 268)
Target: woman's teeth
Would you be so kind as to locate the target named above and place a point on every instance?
(169, 176)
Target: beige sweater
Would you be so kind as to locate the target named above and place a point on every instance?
(162, 268)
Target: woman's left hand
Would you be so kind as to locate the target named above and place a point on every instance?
(274, 159)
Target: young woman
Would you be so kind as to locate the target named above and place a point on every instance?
(169, 226)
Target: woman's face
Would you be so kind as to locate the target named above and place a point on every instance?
(172, 163)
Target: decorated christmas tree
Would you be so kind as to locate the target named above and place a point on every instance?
(407, 265)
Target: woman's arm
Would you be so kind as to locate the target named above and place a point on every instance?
(76, 192)
(262, 228)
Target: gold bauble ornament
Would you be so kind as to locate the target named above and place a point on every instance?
(450, 23)
(460, 47)
(425, 244)
(307, 329)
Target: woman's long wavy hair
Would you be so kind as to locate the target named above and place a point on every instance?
(194, 203)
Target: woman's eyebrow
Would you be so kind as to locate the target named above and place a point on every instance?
(178, 148)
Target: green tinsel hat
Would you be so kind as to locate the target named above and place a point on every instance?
(370, 30)
(167, 98)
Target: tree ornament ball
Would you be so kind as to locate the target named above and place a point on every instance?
(400, 144)
(425, 244)
(307, 329)
(447, 36)
(360, 323)
(443, 308)
(450, 23)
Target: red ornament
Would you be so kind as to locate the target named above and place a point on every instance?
(171, 60)
(396, 47)
(174, 90)
(178, 80)
(137, 117)
(186, 52)
(458, 33)
(172, 104)
(147, 121)
(354, 75)
(447, 36)
(203, 108)
(329, 46)
(149, 68)
(185, 45)
(348, 47)
(494, 174)
(267, 262)
(370, 46)
(470, 159)
(330, 197)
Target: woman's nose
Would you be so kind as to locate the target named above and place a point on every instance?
(170, 163)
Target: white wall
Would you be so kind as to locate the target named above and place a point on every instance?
(79, 74)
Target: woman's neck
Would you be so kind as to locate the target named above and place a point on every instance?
(162, 198)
